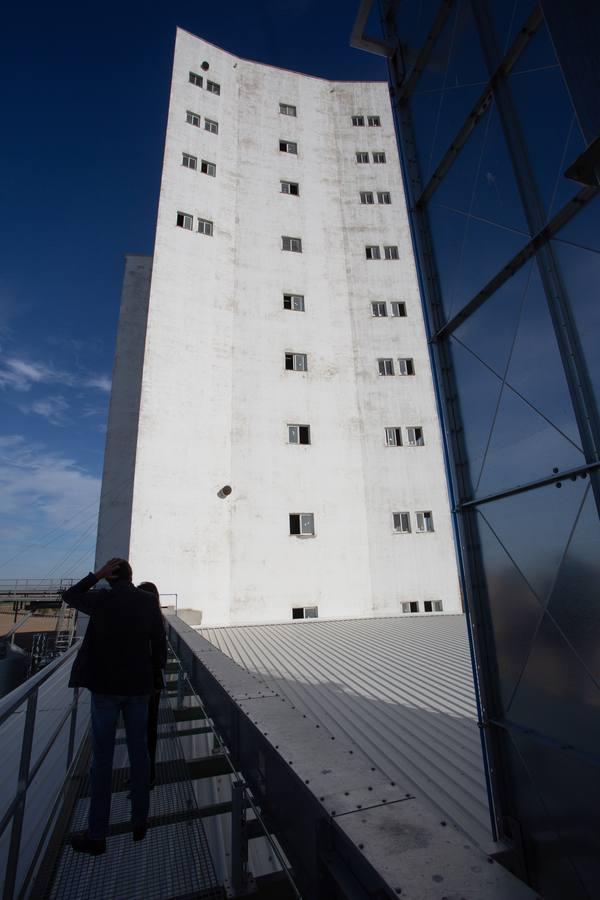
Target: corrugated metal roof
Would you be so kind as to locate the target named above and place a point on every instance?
(401, 688)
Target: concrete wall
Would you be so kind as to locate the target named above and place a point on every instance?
(216, 398)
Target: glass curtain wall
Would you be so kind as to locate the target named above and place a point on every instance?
(508, 250)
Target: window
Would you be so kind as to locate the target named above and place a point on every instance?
(366, 197)
(414, 436)
(299, 434)
(358, 120)
(296, 361)
(374, 121)
(211, 125)
(294, 301)
(302, 523)
(424, 521)
(406, 367)
(286, 109)
(185, 221)
(433, 606)
(288, 147)
(290, 187)
(411, 607)
(384, 197)
(195, 79)
(372, 252)
(386, 366)
(213, 87)
(401, 522)
(379, 309)
(192, 118)
(391, 252)
(362, 156)
(291, 243)
(393, 437)
(190, 162)
(379, 157)
(205, 227)
(398, 309)
(208, 168)
(305, 612)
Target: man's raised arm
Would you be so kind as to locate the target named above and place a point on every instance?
(78, 595)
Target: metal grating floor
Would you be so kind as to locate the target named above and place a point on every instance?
(172, 862)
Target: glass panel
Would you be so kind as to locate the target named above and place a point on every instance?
(414, 21)
(509, 16)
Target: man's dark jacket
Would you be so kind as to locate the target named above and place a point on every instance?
(124, 647)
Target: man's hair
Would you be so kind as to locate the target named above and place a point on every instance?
(149, 587)
(123, 572)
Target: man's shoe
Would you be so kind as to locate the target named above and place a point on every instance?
(83, 843)
(139, 832)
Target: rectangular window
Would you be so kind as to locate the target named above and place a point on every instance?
(286, 109)
(290, 187)
(433, 606)
(424, 521)
(372, 252)
(358, 120)
(291, 243)
(299, 434)
(384, 197)
(411, 607)
(185, 221)
(414, 436)
(398, 309)
(379, 157)
(391, 252)
(294, 301)
(288, 147)
(296, 362)
(366, 197)
(406, 367)
(374, 121)
(393, 437)
(205, 227)
(401, 522)
(302, 523)
(305, 612)
(211, 125)
(196, 79)
(190, 162)
(213, 87)
(385, 366)
(208, 168)
(379, 309)
(362, 156)
(192, 118)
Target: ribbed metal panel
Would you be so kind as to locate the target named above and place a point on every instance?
(401, 688)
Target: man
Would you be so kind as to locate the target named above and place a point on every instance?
(123, 650)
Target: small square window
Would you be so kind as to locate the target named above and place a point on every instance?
(379, 157)
(385, 366)
(299, 434)
(290, 187)
(414, 436)
(211, 125)
(190, 162)
(384, 197)
(401, 522)
(184, 220)
(379, 309)
(424, 521)
(406, 366)
(305, 612)
(372, 252)
(192, 118)
(366, 197)
(362, 156)
(291, 243)
(294, 301)
(288, 147)
(286, 109)
(393, 437)
(411, 607)
(196, 79)
(374, 121)
(398, 309)
(302, 523)
(296, 362)
(391, 252)
(208, 168)
(358, 120)
(433, 606)
(213, 87)
(205, 227)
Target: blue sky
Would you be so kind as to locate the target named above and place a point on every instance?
(84, 100)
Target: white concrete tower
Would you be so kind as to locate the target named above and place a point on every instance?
(284, 354)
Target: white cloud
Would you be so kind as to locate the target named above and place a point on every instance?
(100, 382)
(21, 375)
(53, 409)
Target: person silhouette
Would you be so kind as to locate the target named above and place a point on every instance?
(153, 703)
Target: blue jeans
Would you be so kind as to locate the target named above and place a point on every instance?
(105, 713)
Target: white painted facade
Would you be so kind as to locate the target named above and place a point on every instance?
(216, 398)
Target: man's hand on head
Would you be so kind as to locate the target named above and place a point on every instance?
(109, 568)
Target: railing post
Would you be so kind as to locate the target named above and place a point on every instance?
(180, 686)
(239, 840)
(17, 826)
